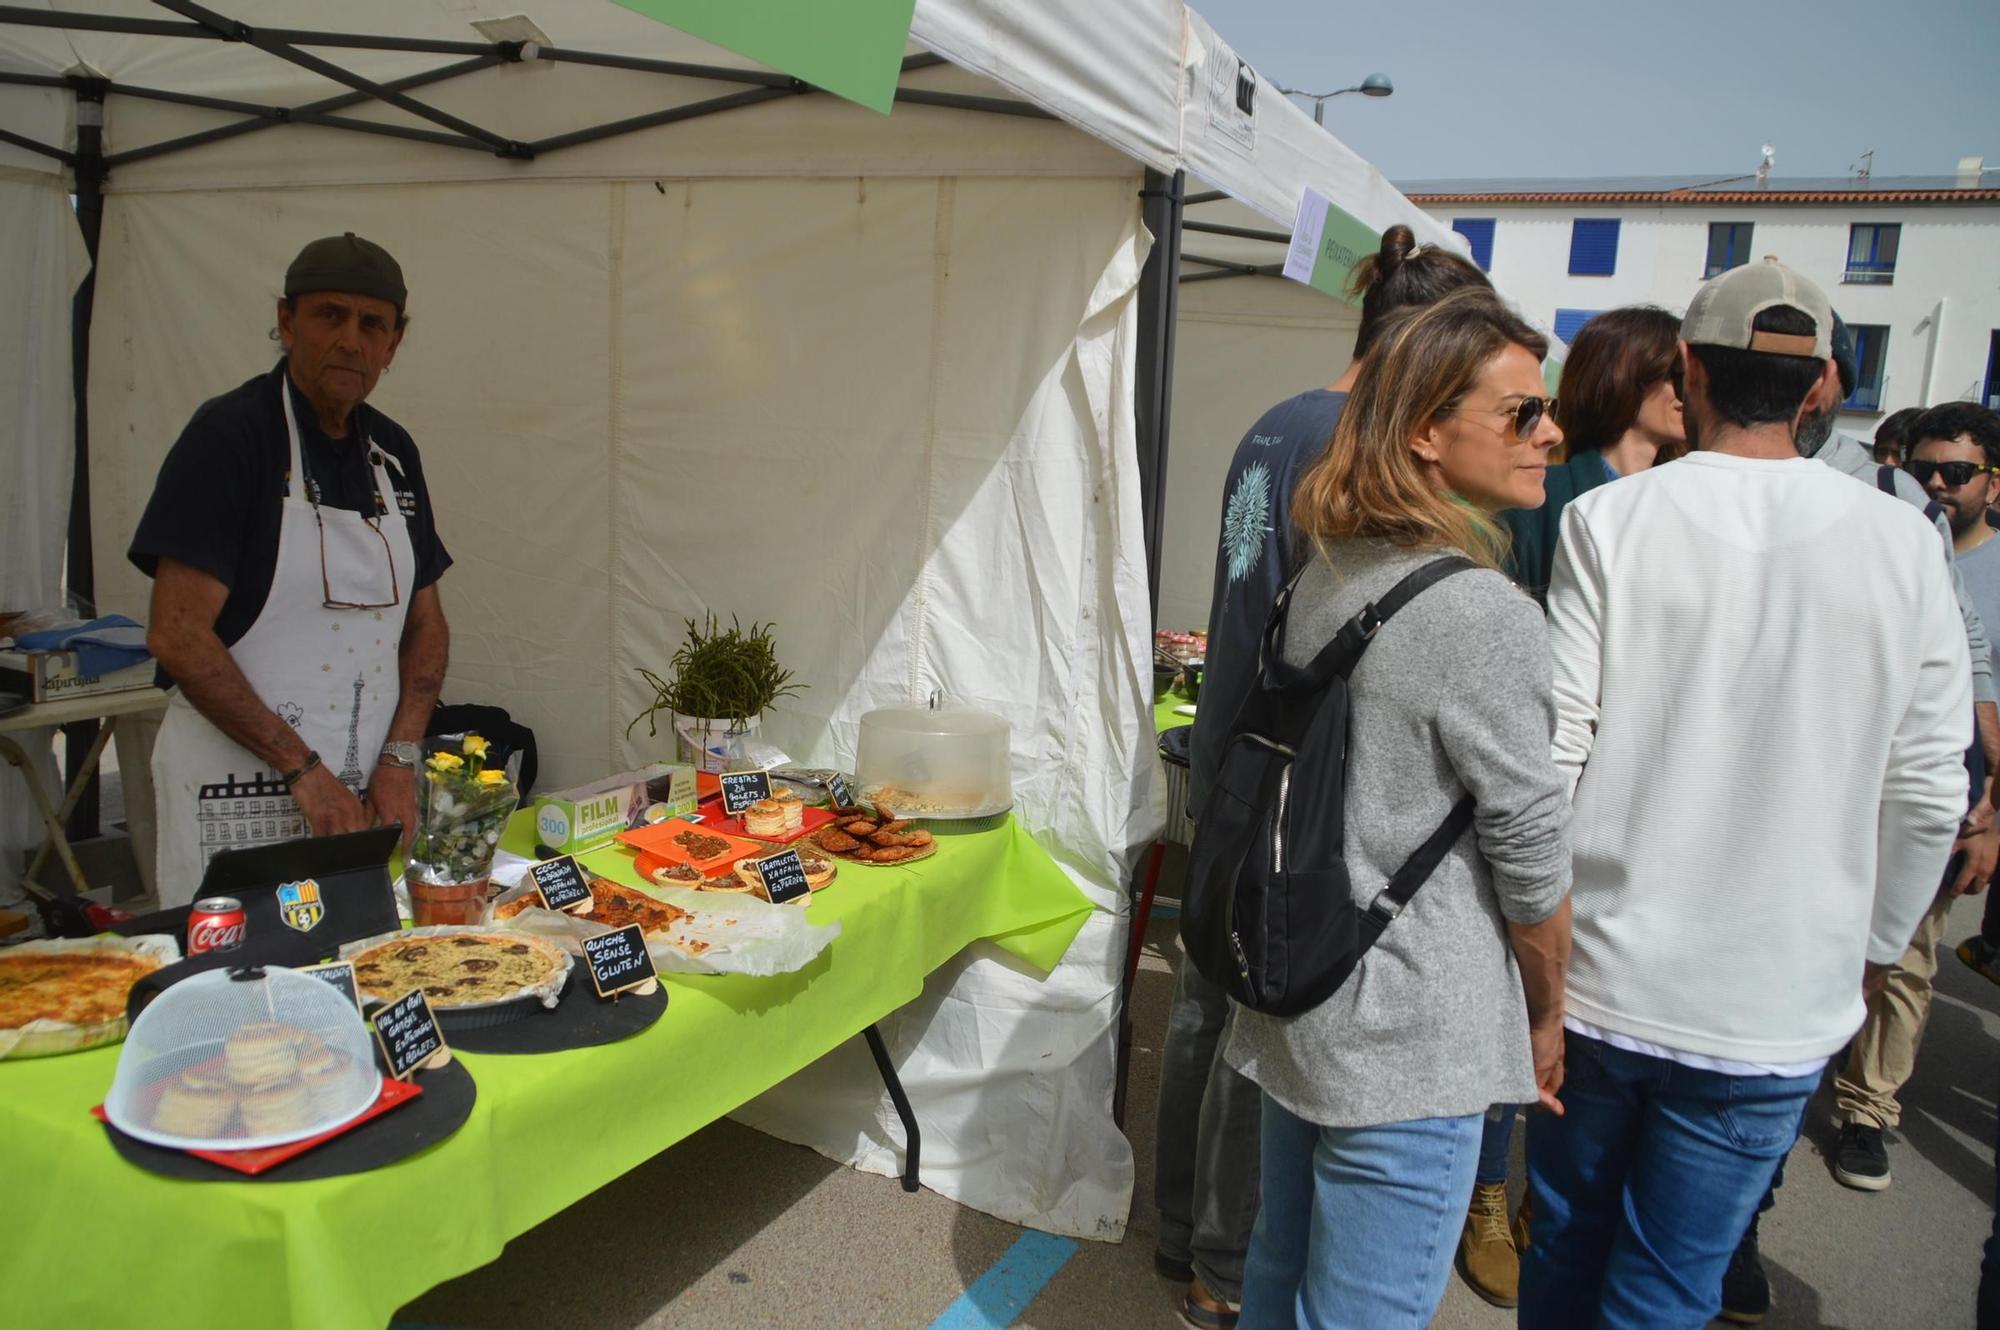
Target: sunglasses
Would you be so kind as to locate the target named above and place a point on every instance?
(1527, 414)
(1954, 473)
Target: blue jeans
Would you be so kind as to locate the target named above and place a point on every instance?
(1359, 1224)
(1496, 1135)
(1645, 1185)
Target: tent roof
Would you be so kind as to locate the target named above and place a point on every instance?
(1148, 77)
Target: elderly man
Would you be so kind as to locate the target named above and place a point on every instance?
(295, 559)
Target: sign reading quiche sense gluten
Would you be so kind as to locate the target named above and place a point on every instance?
(618, 962)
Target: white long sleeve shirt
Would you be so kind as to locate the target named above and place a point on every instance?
(1763, 702)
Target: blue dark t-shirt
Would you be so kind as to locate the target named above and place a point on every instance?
(1256, 557)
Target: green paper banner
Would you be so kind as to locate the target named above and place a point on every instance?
(1327, 241)
(853, 49)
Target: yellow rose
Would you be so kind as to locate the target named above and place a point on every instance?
(475, 746)
(446, 762)
(492, 778)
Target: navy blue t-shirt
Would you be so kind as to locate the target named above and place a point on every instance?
(1256, 557)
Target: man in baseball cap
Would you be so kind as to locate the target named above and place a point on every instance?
(1753, 829)
(295, 556)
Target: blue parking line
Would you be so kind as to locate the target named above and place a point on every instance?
(997, 1298)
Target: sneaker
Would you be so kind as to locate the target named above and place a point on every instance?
(1982, 956)
(1860, 1157)
(1487, 1260)
(1746, 1289)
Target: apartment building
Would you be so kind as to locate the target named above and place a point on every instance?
(1912, 263)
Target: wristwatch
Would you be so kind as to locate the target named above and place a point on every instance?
(397, 753)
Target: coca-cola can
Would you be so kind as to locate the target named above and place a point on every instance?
(215, 924)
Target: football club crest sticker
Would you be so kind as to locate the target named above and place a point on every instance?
(299, 905)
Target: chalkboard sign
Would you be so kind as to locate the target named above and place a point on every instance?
(784, 877)
(408, 1032)
(618, 961)
(338, 973)
(561, 883)
(837, 786)
(740, 789)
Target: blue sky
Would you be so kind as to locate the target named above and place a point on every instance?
(1569, 87)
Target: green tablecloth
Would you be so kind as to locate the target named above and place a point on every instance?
(95, 1241)
(1164, 717)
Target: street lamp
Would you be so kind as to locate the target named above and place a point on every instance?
(1375, 85)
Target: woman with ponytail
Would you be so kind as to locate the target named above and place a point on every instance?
(1206, 1162)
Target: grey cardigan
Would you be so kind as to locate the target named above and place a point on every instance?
(1454, 694)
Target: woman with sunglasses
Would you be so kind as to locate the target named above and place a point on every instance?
(1620, 413)
(1374, 1099)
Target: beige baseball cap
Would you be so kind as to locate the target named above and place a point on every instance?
(1725, 308)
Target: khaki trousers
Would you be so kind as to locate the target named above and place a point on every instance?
(1885, 1051)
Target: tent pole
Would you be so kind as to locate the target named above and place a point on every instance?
(1159, 303)
(88, 170)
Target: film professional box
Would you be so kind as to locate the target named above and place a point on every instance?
(52, 676)
(573, 820)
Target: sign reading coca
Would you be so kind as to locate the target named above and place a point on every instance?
(215, 924)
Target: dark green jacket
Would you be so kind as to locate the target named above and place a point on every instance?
(1536, 530)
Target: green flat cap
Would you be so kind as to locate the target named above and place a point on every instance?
(347, 263)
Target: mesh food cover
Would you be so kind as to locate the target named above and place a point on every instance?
(227, 1060)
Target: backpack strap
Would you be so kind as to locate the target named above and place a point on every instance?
(1416, 871)
(1885, 479)
(1339, 656)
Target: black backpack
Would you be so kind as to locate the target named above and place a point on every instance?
(1268, 914)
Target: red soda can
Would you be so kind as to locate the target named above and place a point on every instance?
(215, 924)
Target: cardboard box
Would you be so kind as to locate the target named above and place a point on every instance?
(571, 821)
(52, 676)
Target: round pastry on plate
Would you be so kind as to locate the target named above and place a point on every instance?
(194, 1110)
(766, 817)
(259, 1052)
(677, 875)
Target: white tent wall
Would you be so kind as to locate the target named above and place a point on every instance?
(891, 415)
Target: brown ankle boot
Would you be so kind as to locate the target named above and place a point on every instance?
(1487, 1259)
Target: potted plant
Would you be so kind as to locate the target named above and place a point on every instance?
(463, 807)
(717, 685)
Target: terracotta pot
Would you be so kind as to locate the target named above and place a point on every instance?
(448, 902)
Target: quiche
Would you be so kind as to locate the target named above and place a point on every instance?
(460, 969)
(75, 987)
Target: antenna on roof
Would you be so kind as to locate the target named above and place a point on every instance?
(1764, 167)
(1867, 165)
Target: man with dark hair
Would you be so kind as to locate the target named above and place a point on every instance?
(295, 559)
(1744, 869)
(1892, 435)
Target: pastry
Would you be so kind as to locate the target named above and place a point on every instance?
(260, 1052)
(794, 807)
(700, 845)
(329, 1077)
(194, 1110)
(835, 841)
(459, 969)
(766, 817)
(85, 987)
(277, 1108)
(678, 875)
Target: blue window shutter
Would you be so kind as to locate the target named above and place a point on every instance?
(1478, 232)
(1593, 246)
(1570, 321)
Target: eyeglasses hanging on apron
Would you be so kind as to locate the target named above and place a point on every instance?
(356, 568)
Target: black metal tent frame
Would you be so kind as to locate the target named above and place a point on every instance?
(1162, 196)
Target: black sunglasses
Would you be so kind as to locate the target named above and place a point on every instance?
(1954, 473)
(1527, 414)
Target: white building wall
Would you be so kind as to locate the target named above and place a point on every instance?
(1941, 310)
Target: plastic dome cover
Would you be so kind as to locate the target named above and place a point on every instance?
(227, 1060)
(943, 762)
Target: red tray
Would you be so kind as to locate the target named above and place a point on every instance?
(394, 1094)
(815, 818)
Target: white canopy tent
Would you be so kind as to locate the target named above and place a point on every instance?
(688, 337)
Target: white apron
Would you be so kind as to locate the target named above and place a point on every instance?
(331, 673)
